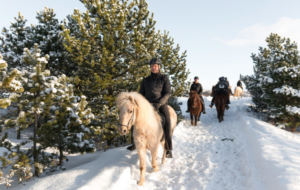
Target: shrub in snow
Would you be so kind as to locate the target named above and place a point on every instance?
(48, 103)
(275, 84)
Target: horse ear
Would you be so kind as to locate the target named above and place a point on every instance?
(131, 99)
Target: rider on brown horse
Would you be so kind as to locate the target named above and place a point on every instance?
(221, 88)
(196, 86)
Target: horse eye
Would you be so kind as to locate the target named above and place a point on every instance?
(130, 112)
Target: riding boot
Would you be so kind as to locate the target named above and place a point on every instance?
(167, 129)
(131, 147)
(211, 105)
(188, 109)
(203, 105)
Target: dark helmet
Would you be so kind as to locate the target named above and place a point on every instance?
(196, 77)
(221, 79)
(225, 78)
(155, 61)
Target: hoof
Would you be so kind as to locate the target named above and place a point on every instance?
(156, 169)
(140, 183)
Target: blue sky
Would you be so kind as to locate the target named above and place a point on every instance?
(219, 35)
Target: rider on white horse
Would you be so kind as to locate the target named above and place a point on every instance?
(239, 83)
(156, 88)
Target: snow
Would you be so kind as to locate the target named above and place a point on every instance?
(241, 153)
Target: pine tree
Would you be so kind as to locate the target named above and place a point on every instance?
(66, 128)
(277, 78)
(110, 43)
(48, 35)
(13, 41)
(8, 82)
(174, 65)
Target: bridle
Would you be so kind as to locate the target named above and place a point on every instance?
(130, 120)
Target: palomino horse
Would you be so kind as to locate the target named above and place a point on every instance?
(195, 107)
(238, 92)
(148, 133)
(229, 91)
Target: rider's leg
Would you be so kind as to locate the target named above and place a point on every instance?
(188, 109)
(131, 147)
(203, 105)
(167, 129)
(212, 101)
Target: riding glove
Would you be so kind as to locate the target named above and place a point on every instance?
(156, 105)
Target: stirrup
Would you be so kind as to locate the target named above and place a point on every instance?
(204, 112)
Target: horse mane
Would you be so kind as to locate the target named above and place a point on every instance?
(193, 94)
(145, 112)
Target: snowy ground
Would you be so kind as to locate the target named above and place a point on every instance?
(241, 153)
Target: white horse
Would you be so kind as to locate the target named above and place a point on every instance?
(148, 133)
(238, 92)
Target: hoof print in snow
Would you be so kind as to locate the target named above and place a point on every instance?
(227, 139)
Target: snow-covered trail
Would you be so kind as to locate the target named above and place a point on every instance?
(241, 153)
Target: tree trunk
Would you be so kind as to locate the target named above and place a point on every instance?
(61, 156)
(19, 134)
(293, 129)
(34, 145)
(19, 130)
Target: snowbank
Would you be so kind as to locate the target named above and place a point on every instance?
(241, 153)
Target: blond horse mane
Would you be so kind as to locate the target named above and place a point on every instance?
(146, 117)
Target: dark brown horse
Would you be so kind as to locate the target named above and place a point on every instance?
(195, 107)
(220, 103)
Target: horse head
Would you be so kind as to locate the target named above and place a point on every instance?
(127, 112)
(193, 98)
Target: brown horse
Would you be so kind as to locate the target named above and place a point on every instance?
(195, 107)
(220, 102)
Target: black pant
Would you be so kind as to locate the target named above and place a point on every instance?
(167, 127)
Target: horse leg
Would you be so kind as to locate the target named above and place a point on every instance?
(142, 156)
(192, 122)
(164, 154)
(154, 152)
(196, 119)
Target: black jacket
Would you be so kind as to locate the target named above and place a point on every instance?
(228, 82)
(221, 86)
(239, 83)
(197, 87)
(156, 88)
